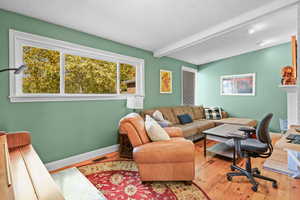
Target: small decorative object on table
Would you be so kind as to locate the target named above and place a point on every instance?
(288, 76)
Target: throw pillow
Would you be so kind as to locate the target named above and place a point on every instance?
(213, 113)
(155, 131)
(164, 123)
(185, 118)
(158, 116)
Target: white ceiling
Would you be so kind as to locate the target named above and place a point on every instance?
(159, 25)
(275, 29)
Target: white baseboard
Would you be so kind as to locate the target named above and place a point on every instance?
(81, 157)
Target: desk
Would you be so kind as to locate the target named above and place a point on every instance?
(221, 134)
(283, 151)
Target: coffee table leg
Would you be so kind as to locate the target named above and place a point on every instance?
(204, 145)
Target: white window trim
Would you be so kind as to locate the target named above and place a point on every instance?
(195, 71)
(17, 39)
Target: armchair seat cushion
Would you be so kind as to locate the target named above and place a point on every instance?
(174, 150)
(252, 145)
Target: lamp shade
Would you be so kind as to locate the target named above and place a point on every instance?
(135, 102)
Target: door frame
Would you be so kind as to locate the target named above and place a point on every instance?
(195, 71)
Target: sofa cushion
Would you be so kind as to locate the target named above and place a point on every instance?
(224, 114)
(236, 121)
(196, 127)
(178, 110)
(204, 125)
(188, 129)
(198, 112)
(188, 110)
(147, 112)
(168, 114)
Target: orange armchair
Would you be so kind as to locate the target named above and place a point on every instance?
(170, 160)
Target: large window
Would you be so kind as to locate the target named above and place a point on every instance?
(59, 71)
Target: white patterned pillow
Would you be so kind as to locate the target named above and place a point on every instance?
(154, 130)
(158, 116)
(213, 113)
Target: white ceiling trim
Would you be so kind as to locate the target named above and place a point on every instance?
(225, 27)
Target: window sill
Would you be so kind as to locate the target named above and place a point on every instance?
(49, 98)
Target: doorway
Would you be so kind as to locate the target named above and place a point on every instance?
(189, 84)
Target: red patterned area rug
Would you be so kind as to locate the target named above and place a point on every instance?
(120, 180)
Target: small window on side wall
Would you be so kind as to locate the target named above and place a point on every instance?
(61, 71)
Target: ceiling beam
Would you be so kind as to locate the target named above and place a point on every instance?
(225, 27)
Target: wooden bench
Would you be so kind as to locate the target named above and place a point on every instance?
(23, 176)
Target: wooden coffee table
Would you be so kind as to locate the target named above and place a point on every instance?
(221, 134)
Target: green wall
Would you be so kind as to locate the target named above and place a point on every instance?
(62, 129)
(266, 64)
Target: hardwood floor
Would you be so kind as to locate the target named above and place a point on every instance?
(211, 176)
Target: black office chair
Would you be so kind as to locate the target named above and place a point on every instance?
(248, 147)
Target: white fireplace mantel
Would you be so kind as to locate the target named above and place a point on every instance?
(293, 103)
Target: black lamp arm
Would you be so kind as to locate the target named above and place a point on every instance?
(8, 69)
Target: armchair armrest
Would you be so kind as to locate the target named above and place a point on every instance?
(174, 131)
(18, 139)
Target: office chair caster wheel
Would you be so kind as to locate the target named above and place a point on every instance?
(232, 168)
(256, 171)
(274, 185)
(229, 178)
(254, 188)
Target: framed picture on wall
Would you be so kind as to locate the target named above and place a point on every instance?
(240, 85)
(166, 82)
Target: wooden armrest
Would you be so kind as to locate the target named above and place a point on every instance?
(43, 184)
(18, 139)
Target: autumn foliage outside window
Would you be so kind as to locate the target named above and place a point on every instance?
(82, 75)
(42, 73)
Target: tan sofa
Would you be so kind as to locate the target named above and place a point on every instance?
(193, 131)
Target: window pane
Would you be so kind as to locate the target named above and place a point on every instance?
(127, 79)
(42, 72)
(89, 76)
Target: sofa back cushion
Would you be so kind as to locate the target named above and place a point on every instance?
(178, 110)
(147, 112)
(198, 112)
(169, 114)
(188, 110)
